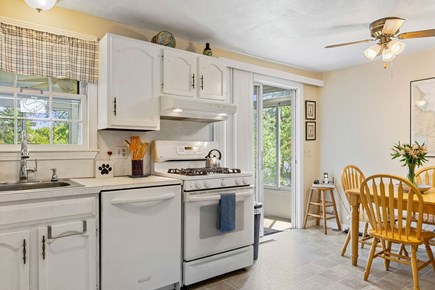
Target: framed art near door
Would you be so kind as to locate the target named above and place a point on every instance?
(422, 113)
(310, 131)
(310, 110)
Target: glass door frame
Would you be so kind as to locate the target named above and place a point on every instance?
(297, 194)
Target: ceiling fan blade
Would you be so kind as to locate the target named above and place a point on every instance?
(348, 43)
(417, 34)
(392, 25)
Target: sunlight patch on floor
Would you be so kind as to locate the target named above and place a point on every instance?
(277, 223)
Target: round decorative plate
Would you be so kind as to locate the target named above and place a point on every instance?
(164, 38)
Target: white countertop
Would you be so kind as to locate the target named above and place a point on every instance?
(90, 186)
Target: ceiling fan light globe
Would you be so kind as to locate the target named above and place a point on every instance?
(388, 55)
(41, 4)
(396, 46)
(372, 51)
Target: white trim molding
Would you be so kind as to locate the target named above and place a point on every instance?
(273, 73)
(50, 155)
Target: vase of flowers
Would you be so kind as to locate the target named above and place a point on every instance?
(411, 156)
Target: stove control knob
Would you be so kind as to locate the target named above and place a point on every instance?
(198, 184)
(245, 180)
(223, 183)
(238, 181)
(207, 184)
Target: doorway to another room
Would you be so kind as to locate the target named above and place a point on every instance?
(274, 144)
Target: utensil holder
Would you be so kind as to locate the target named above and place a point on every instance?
(137, 167)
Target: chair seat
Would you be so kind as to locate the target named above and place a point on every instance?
(393, 236)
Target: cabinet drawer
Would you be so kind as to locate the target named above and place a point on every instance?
(39, 211)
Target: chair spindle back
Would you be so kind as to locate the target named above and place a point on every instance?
(378, 193)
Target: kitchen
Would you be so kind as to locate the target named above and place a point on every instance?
(329, 152)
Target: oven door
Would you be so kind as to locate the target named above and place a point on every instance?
(201, 235)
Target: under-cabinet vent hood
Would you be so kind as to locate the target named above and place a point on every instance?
(185, 108)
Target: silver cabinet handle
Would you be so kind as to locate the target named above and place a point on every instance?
(118, 201)
(50, 236)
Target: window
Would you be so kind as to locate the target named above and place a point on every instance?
(51, 110)
(277, 128)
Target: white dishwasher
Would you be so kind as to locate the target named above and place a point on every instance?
(140, 238)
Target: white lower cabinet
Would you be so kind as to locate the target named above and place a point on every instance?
(49, 245)
(67, 255)
(14, 261)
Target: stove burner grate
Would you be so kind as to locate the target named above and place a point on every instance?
(203, 171)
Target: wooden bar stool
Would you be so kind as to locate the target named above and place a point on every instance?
(322, 204)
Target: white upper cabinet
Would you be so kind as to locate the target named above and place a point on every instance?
(179, 73)
(192, 75)
(212, 78)
(128, 96)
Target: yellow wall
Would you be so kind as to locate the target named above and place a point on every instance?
(83, 23)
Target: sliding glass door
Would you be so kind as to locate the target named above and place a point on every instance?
(274, 144)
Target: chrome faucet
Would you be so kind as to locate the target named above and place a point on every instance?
(24, 170)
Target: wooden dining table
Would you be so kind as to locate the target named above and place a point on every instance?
(355, 201)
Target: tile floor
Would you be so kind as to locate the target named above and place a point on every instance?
(308, 259)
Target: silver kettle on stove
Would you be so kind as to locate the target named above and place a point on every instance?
(212, 160)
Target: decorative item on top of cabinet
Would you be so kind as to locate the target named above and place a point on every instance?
(207, 50)
(192, 75)
(128, 89)
(164, 38)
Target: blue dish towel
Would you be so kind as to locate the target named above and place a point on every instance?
(227, 212)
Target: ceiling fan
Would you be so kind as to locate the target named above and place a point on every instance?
(385, 31)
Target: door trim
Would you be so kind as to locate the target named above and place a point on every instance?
(297, 205)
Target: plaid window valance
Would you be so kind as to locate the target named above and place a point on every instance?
(30, 52)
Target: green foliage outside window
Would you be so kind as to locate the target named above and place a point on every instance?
(277, 127)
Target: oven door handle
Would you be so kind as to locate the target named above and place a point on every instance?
(218, 196)
(160, 197)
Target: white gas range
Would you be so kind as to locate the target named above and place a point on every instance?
(208, 252)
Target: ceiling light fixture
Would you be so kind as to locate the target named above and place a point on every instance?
(41, 5)
(372, 52)
(388, 49)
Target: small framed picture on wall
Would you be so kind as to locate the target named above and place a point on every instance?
(310, 131)
(310, 110)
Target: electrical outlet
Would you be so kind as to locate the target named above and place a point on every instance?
(121, 152)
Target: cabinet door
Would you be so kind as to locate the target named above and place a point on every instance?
(14, 260)
(67, 256)
(134, 84)
(179, 73)
(212, 78)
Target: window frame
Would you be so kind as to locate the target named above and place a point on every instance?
(277, 103)
(85, 125)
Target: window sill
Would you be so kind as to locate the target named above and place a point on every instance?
(50, 155)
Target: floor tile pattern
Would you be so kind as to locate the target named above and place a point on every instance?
(309, 260)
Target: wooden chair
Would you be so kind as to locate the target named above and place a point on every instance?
(426, 176)
(352, 177)
(390, 222)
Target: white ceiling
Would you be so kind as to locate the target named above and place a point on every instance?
(292, 32)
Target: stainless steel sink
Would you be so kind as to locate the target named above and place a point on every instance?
(14, 186)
